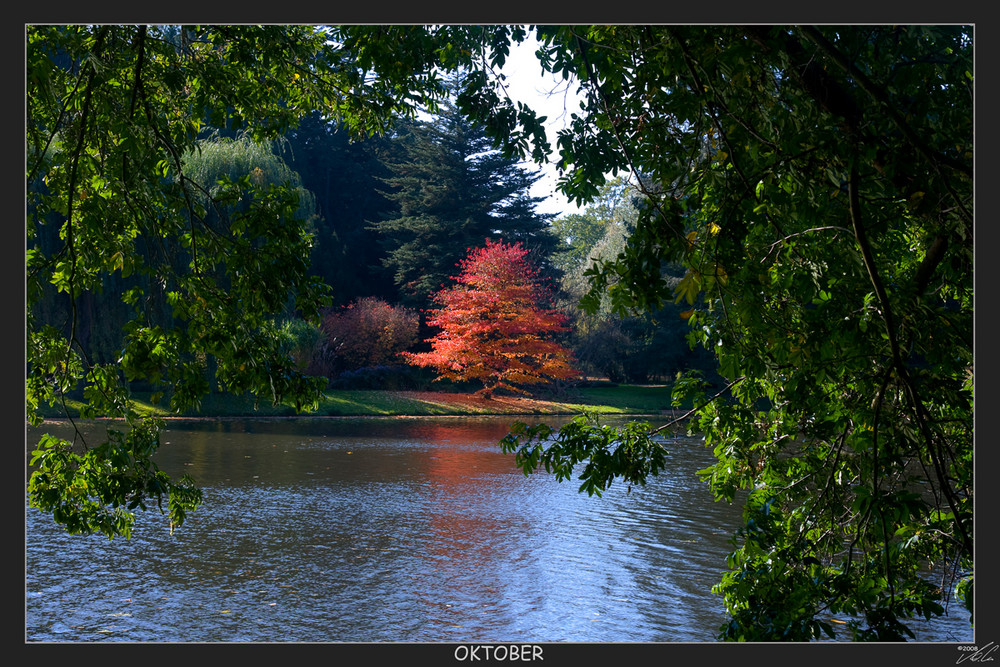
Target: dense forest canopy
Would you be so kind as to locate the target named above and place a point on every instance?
(803, 203)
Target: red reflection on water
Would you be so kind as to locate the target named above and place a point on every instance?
(465, 535)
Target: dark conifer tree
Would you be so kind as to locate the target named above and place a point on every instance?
(343, 175)
(453, 191)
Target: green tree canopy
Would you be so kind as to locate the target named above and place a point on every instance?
(816, 183)
(580, 234)
(112, 112)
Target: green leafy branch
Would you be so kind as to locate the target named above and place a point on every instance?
(629, 452)
(98, 490)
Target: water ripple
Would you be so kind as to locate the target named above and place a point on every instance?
(423, 532)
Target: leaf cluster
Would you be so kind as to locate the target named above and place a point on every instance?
(631, 452)
(97, 491)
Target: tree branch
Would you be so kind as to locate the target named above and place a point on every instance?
(694, 410)
(866, 84)
(902, 373)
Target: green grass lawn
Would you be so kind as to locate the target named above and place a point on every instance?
(637, 399)
(601, 399)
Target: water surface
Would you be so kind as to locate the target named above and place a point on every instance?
(390, 530)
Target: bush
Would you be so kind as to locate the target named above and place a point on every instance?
(367, 333)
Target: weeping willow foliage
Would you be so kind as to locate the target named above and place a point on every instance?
(217, 160)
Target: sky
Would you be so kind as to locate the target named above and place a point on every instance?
(554, 98)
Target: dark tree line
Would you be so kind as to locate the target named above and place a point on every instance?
(390, 216)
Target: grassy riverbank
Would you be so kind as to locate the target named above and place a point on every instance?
(602, 399)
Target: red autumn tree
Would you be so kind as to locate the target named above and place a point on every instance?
(494, 326)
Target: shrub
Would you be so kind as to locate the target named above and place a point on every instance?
(367, 333)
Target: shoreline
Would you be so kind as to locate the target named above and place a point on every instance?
(646, 401)
(222, 418)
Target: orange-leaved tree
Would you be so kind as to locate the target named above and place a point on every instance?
(494, 325)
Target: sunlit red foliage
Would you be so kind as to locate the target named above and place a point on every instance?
(493, 325)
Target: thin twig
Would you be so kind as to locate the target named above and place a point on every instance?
(695, 409)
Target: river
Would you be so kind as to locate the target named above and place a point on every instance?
(391, 530)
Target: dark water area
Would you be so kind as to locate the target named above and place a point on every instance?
(391, 530)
